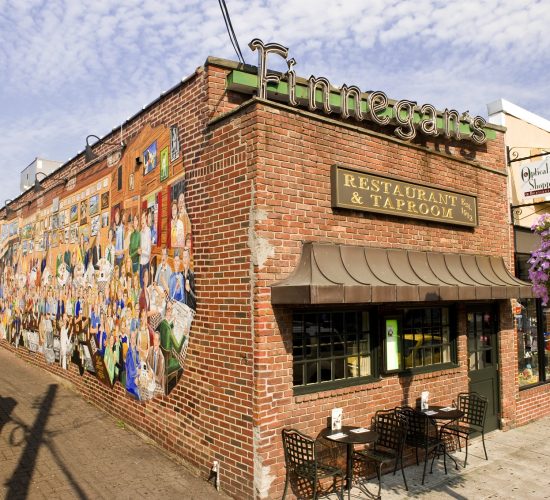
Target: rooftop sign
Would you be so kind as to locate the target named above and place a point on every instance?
(407, 117)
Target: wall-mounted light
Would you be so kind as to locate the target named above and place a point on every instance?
(11, 211)
(37, 186)
(90, 156)
(138, 162)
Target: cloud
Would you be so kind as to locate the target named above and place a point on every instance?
(75, 68)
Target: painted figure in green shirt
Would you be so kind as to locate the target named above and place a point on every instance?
(135, 242)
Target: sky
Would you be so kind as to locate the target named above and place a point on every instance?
(79, 67)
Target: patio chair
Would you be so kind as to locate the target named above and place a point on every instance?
(474, 408)
(422, 433)
(301, 460)
(388, 448)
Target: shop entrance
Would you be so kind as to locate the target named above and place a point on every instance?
(483, 360)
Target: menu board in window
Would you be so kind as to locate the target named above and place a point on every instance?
(392, 350)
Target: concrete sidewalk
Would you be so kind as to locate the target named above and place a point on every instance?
(55, 445)
(518, 468)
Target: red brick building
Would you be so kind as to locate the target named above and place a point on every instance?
(308, 300)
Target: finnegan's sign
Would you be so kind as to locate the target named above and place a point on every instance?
(406, 116)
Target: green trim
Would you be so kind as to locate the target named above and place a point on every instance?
(241, 81)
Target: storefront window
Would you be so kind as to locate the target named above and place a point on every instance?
(533, 331)
(426, 337)
(330, 347)
(528, 346)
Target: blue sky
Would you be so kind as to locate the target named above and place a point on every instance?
(73, 68)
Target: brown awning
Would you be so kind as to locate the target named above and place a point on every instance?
(340, 274)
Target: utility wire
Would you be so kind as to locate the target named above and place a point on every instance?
(230, 31)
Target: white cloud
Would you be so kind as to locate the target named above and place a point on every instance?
(72, 68)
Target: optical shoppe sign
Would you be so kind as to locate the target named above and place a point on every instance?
(407, 118)
(359, 190)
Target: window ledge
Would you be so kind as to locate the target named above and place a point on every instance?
(435, 370)
(326, 389)
(535, 385)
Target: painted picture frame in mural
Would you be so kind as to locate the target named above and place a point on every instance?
(174, 143)
(180, 224)
(164, 165)
(94, 204)
(74, 213)
(104, 200)
(73, 235)
(83, 212)
(150, 158)
(94, 225)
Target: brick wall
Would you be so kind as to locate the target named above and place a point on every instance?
(208, 416)
(296, 150)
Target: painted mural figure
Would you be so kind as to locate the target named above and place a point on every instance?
(135, 244)
(145, 248)
(65, 341)
(119, 239)
(132, 367)
(177, 287)
(164, 272)
(155, 363)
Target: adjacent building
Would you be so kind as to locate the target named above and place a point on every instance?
(527, 141)
(37, 166)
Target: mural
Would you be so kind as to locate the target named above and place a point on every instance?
(104, 278)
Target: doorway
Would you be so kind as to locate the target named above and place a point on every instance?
(483, 359)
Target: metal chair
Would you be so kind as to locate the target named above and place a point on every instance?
(388, 448)
(474, 407)
(301, 460)
(422, 433)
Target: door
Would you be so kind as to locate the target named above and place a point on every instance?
(483, 360)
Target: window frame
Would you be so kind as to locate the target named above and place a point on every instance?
(521, 264)
(348, 381)
(453, 335)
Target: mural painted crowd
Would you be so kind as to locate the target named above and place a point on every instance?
(91, 283)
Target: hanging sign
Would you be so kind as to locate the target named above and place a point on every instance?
(533, 179)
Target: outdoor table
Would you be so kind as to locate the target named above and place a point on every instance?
(446, 413)
(349, 438)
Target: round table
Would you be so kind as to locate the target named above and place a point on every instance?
(450, 416)
(350, 439)
(439, 414)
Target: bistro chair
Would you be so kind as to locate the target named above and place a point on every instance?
(301, 460)
(474, 408)
(422, 433)
(388, 448)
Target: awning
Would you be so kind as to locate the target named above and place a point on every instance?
(341, 274)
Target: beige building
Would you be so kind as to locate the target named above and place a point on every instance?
(527, 141)
(527, 134)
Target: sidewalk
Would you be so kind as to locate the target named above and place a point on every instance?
(55, 445)
(518, 468)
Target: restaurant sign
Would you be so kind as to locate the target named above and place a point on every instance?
(358, 190)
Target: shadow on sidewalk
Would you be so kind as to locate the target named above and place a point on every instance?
(6, 407)
(33, 437)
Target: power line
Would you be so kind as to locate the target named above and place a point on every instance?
(230, 31)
